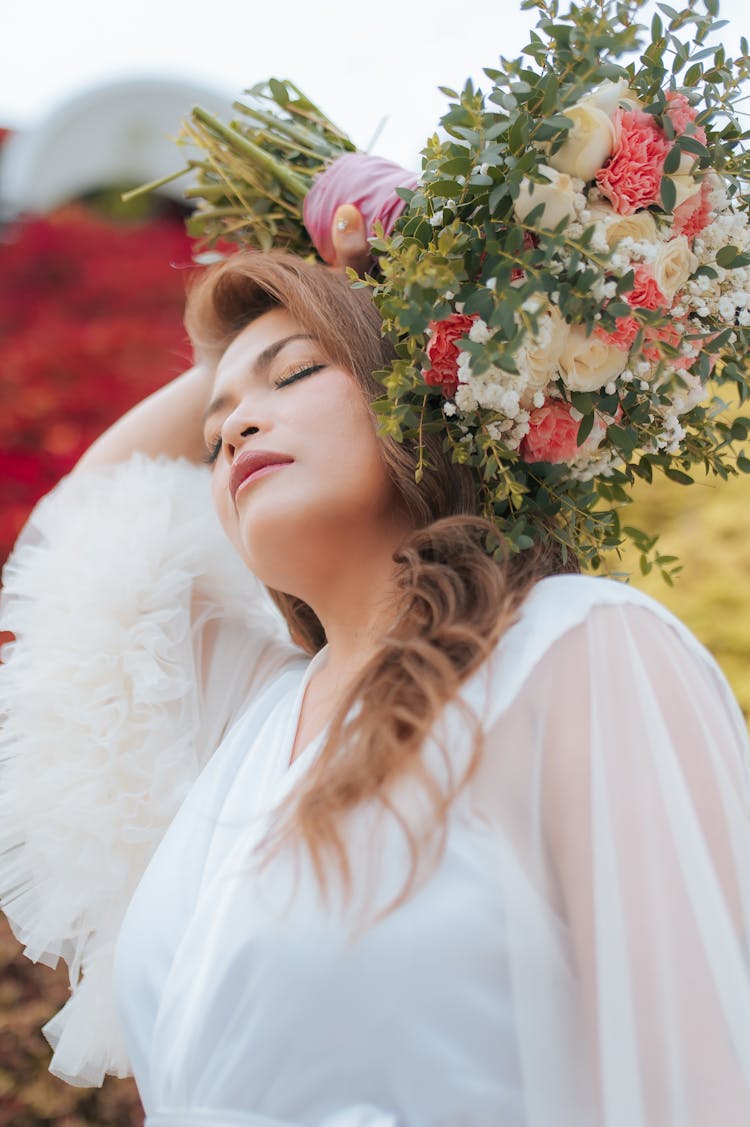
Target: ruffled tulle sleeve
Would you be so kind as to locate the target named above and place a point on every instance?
(616, 788)
(139, 636)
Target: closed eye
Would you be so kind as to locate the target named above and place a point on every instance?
(214, 447)
(213, 451)
(298, 374)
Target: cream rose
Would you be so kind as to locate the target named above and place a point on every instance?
(588, 363)
(589, 142)
(673, 265)
(640, 226)
(541, 356)
(608, 96)
(684, 181)
(558, 197)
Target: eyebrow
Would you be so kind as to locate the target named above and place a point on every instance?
(260, 366)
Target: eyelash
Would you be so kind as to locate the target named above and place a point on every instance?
(291, 377)
(298, 374)
(213, 452)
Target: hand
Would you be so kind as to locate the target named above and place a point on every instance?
(349, 239)
(339, 230)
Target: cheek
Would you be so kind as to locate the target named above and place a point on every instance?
(224, 507)
(337, 438)
(338, 488)
(352, 458)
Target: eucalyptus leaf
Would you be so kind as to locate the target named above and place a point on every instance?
(668, 193)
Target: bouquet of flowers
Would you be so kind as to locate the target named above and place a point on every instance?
(568, 283)
(569, 286)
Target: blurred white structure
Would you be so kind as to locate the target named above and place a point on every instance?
(119, 133)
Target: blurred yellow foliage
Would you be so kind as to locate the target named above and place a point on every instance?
(706, 525)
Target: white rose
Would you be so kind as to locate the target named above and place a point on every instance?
(640, 226)
(609, 95)
(589, 142)
(588, 363)
(543, 351)
(684, 181)
(673, 265)
(558, 197)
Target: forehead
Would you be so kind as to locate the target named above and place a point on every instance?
(254, 339)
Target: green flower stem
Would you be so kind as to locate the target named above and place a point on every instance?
(558, 495)
(134, 193)
(295, 184)
(304, 137)
(295, 148)
(212, 191)
(419, 471)
(304, 108)
(221, 211)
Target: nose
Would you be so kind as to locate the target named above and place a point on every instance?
(235, 430)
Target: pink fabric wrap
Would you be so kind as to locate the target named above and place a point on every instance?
(367, 182)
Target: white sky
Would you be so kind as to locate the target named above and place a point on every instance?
(360, 61)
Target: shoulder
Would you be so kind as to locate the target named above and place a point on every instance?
(559, 616)
(559, 604)
(569, 599)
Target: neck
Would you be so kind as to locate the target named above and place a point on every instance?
(354, 598)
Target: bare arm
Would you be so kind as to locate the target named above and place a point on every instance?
(168, 422)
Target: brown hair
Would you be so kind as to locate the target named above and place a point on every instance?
(454, 600)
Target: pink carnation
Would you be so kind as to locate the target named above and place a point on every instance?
(682, 114)
(693, 214)
(632, 178)
(552, 434)
(645, 293)
(622, 336)
(670, 334)
(443, 352)
(674, 334)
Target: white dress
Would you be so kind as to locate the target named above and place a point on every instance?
(579, 958)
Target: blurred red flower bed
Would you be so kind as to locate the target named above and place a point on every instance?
(90, 323)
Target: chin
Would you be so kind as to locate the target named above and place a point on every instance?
(295, 538)
(286, 544)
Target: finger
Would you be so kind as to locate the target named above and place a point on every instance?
(349, 239)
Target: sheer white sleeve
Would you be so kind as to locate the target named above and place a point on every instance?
(139, 635)
(616, 786)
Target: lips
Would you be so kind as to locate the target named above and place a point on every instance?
(251, 462)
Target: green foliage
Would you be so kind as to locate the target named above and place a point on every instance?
(463, 246)
(254, 172)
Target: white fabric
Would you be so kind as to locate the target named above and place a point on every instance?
(350, 1117)
(580, 958)
(139, 634)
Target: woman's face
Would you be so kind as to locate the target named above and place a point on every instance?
(298, 477)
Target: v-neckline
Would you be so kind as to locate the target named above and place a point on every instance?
(292, 727)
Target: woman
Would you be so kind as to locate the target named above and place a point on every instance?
(469, 849)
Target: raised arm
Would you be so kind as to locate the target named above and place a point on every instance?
(167, 423)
